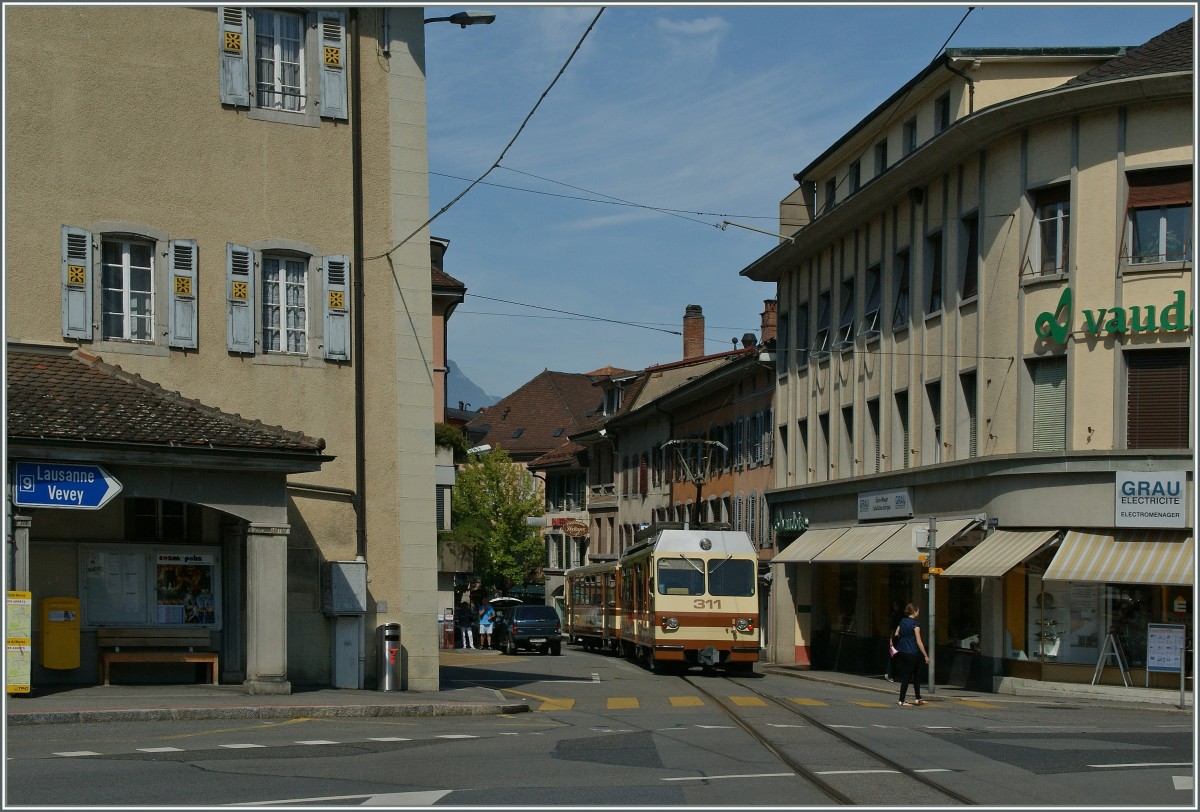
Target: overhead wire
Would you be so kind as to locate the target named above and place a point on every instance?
(503, 152)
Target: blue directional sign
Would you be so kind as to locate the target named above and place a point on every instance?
(60, 485)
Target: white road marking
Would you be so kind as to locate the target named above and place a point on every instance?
(856, 772)
(160, 750)
(241, 746)
(456, 736)
(785, 725)
(850, 727)
(715, 727)
(720, 777)
(389, 739)
(1184, 782)
(426, 798)
(72, 753)
(318, 741)
(1143, 764)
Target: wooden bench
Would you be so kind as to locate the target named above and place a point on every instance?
(154, 645)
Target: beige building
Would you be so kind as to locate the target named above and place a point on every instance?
(985, 326)
(194, 197)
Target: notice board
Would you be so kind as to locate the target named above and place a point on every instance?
(1164, 647)
(114, 587)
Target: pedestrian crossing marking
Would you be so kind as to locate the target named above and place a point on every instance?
(241, 746)
(800, 700)
(160, 749)
(623, 703)
(73, 753)
(389, 739)
(318, 741)
(686, 701)
(748, 701)
(975, 703)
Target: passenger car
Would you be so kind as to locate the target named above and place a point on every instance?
(529, 626)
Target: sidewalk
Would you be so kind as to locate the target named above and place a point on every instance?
(1009, 690)
(146, 703)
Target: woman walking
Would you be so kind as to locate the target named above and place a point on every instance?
(908, 647)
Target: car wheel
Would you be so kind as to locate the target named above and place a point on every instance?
(556, 649)
(510, 648)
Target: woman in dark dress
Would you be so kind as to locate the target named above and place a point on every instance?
(909, 646)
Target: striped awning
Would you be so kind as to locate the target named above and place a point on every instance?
(1125, 556)
(1000, 552)
(899, 549)
(858, 542)
(808, 545)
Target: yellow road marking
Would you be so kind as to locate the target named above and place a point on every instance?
(748, 701)
(557, 704)
(866, 703)
(263, 725)
(799, 700)
(687, 701)
(971, 703)
(623, 703)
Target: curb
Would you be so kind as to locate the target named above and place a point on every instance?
(262, 712)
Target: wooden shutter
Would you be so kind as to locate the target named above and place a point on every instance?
(233, 40)
(1050, 404)
(181, 319)
(1157, 398)
(643, 475)
(239, 292)
(76, 283)
(1160, 187)
(332, 27)
(336, 272)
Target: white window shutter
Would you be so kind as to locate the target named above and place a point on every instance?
(233, 42)
(76, 283)
(336, 271)
(332, 29)
(239, 292)
(181, 320)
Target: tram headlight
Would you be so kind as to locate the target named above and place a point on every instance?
(670, 623)
(744, 625)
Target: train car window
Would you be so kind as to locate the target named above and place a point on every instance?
(676, 576)
(733, 577)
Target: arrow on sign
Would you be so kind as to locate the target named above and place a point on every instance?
(59, 485)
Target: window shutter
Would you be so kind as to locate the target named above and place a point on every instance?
(181, 320)
(1160, 187)
(76, 283)
(337, 306)
(235, 61)
(239, 291)
(333, 64)
(1158, 398)
(1050, 404)
(769, 440)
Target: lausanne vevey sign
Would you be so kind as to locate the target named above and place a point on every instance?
(58, 485)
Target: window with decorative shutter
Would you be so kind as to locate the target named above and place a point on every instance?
(76, 283)
(235, 61)
(333, 64)
(1157, 398)
(239, 293)
(336, 273)
(181, 318)
(1049, 377)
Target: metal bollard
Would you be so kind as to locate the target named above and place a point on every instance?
(387, 650)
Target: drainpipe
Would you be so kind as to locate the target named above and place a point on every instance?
(970, 87)
(356, 147)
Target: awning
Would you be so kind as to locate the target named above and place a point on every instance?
(1125, 556)
(899, 550)
(999, 552)
(808, 545)
(858, 542)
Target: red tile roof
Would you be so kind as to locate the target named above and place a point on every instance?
(540, 415)
(57, 394)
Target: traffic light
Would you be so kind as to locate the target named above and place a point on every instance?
(924, 559)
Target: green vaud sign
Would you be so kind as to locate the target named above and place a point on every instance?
(1173, 317)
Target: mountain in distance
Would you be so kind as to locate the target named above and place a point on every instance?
(461, 388)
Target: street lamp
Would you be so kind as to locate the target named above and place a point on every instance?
(464, 18)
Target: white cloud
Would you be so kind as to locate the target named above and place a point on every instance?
(704, 25)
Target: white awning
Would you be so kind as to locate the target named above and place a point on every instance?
(1125, 556)
(899, 550)
(808, 545)
(999, 552)
(858, 542)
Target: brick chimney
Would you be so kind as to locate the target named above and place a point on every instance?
(769, 319)
(693, 332)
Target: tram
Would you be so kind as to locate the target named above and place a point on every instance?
(677, 596)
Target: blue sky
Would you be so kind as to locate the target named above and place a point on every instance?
(705, 110)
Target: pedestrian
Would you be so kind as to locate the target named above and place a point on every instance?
(909, 646)
(893, 623)
(465, 621)
(487, 616)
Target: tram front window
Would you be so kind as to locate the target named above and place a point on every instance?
(677, 576)
(735, 578)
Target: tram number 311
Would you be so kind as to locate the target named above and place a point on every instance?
(706, 603)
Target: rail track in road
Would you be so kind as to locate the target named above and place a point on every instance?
(853, 759)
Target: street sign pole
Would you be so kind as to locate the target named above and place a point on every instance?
(930, 584)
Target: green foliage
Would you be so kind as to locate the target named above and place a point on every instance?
(492, 498)
(449, 436)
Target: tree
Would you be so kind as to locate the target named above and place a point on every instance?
(492, 498)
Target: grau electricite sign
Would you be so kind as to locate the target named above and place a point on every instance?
(1170, 317)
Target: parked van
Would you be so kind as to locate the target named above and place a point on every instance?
(529, 626)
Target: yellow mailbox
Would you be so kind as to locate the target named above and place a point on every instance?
(60, 633)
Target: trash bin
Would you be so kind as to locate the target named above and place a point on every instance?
(387, 649)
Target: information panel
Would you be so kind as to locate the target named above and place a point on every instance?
(114, 587)
(1164, 647)
(19, 653)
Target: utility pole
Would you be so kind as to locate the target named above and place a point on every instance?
(929, 584)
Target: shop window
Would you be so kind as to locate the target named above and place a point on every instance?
(1049, 377)
(1158, 398)
(1159, 223)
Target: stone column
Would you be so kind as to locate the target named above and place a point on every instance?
(19, 578)
(266, 610)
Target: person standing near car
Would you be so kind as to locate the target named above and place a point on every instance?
(465, 620)
(487, 616)
(908, 647)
